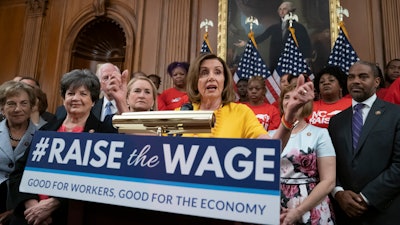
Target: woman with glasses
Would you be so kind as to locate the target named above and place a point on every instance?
(16, 130)
(79, 90)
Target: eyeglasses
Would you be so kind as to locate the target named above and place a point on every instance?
(14, 105)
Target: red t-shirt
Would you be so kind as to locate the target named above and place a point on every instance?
(393, 92)
(267, 114)
(171, 99)
(322, 111)
(381, 92)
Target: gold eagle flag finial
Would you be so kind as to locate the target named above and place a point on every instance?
(206, 23)
(252, 21)
(340, 12)
(291, 17)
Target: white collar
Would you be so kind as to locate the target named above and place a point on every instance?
(369, 101)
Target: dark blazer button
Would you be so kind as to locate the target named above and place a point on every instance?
(11, 165)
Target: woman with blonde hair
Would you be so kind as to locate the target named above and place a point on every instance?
(308, 169)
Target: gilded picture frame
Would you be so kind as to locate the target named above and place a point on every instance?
(326, 15)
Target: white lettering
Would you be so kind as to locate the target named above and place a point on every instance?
(179, 157)
(74, 153)
(247, 165)
(210, 162)
(114, 154)
(261, 163)
(102, 157)
(87, 153)
(57, 146)
(135, 159)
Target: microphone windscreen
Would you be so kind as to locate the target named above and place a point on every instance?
(187, 106)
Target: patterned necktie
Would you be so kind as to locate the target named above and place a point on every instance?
(357, 123)
(108, 110)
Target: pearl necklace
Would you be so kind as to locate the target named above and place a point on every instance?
(13, 138)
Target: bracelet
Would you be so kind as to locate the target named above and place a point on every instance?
(288, 125)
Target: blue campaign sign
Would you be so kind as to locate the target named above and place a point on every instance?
(234, 179)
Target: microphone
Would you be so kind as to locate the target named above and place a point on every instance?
(187, 106)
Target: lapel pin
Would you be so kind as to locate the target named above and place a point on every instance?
(378, 113)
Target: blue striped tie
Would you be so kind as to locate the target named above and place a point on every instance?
(108, 110)
(357, 123)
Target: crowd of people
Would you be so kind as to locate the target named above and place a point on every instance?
(347, 178)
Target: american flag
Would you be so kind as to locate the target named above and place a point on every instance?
(342, 54)
(205, 48)
(251, 64)
(291, 61)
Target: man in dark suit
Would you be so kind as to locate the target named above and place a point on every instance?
(99, 110)
(368, 175)
(279, 33)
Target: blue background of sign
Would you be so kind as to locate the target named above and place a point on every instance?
(158, 173)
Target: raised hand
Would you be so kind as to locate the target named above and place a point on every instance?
(117, 88)
(304, 93)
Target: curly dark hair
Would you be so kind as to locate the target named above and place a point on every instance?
(174, 65)
(337, 73)
(77, 78)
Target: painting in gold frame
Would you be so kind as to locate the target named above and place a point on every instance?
(319, 18)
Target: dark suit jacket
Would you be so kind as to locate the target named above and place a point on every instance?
(96, 110)
(374, 170)
(277, 41)
(17, 198)
(49, 117)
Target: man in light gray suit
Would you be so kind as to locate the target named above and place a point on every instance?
(368, 174)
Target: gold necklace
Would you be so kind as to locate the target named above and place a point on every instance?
(304, 127)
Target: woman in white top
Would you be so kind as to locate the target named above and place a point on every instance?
(308, 170)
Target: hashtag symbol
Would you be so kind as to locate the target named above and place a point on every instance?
(40, 149)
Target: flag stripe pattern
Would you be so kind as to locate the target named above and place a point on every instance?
(342, 54)
(251, 64)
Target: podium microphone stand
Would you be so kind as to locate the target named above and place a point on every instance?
(164, 122)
